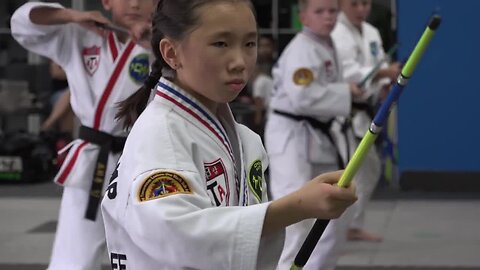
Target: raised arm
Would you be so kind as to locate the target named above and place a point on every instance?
(47, 29)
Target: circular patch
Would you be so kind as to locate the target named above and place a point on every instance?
(303, 76)
(139, 68)
(255, 179)
(162, 184)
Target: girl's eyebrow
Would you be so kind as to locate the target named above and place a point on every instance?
(227, 34)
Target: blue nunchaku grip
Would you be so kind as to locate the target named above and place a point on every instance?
(382, 114)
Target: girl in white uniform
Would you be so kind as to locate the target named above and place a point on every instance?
(102, 69)
(189, 191)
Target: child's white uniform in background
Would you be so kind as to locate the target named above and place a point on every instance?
(173, 203)
(308, 84)
(100, 72)
(359, 53)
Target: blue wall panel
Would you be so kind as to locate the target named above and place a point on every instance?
(439, 111)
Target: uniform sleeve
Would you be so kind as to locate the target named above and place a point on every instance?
(52, 41)
(187, 223)
(316, 98)
(347, 52)
(262, 87)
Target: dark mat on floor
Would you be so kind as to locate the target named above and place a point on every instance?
(30, 190)
(106, 267)
(33, 267)
(47, 227)
(404, 268)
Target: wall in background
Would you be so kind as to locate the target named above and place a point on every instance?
(438, 125)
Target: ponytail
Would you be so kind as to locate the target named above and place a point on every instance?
(133, 106)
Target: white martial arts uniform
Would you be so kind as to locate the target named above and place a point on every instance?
(307, 82)
(100, 73)
(176, 200)
(359, 53)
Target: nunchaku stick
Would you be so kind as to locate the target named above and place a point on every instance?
(112, 27)
(374, 70)
(370, 136)
(118, 29)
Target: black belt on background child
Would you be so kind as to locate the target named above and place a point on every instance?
(324, 127)
(108, 144)
(367, 108)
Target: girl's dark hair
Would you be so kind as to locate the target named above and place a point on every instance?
(173, 19)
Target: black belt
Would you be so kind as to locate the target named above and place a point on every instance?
(324, 127)
(107, 143)
(364, 107)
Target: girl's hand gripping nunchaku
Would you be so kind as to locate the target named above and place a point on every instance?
(369, 137)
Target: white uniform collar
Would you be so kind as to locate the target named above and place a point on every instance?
(310, 34)
(182, 100)
(167, 86)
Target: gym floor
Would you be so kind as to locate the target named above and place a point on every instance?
(432, 231)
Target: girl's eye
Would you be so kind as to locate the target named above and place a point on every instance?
(220, 44)
(252, 44)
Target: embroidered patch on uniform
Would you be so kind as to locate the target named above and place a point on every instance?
(303, 76)
(139, 68)
(329, 69)
(374, 48)
(162, 184)
(217, 182)
(255, 179)
(91, 59)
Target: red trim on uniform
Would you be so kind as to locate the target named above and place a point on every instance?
(167, 97)
(113, 46)
(110, 84)
(68, 168)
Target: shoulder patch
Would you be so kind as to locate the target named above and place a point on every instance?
(255, 179)
(162, 184)
(303, 76)
(139, 68)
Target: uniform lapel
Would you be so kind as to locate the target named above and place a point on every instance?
(228, 121)
(191, 108)
(112, 46)
(119, 64)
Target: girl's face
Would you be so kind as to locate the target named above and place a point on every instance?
(127, 13)
(320, 16)
(216, 59)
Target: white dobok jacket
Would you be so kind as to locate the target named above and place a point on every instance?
(322, 95)
(101, 72)
(189, 192)
(358, 54)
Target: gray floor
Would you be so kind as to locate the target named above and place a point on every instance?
(422, 231)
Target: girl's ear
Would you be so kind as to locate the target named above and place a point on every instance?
(169, 53)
